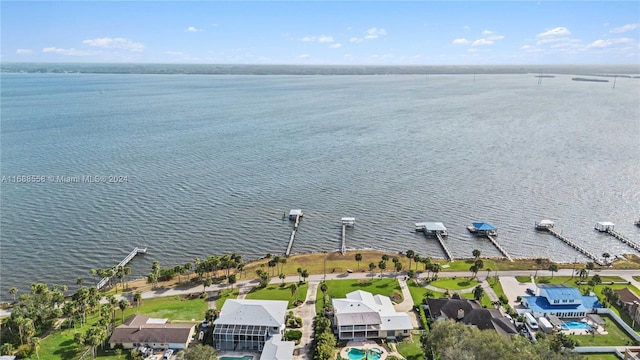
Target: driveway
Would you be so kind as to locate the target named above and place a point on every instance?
(513, 288)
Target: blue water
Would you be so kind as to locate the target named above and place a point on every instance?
(236, 358)
(359, 354)
(575, 325)
(212, 162)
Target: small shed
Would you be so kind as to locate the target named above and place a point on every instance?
(293, 214)
(431, 228)
(604, 226)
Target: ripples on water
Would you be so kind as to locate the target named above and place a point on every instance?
(214, 161)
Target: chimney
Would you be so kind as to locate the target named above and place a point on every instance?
(460, 314)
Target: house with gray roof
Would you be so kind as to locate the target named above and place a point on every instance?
(139, 330)
(248, 324)
(470, 312)
(365, 316)
(276, 349)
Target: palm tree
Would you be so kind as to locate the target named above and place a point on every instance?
(606, 257)
(324, 287)
(474, 270)
(372, 266)
(305, 275)
(410, 255)
(597, 279)
(13, 291)
(553, 268)
(123, 304)
(590, 266)
(382, 265)
(583, 273)
(206, 283)
(282, 277)
(476, 253)
(294, 291)
(488, 271)
(398, 266)
(538, 265)
(299, 270)
(358, 259)
(232, 280)
(137, 298)
(478, 292)
(35, 341)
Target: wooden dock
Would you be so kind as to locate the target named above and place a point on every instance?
(576, 246)
(502, 250)
(346, 222)
(624, 240)
(124, 262)
(294, 215)
(442, 244)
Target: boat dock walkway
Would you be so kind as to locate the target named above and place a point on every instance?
(621, 237)
(444, 247)
(576, 246)
(124, 262)
(294, 215)
(502, 250)
(346, 222)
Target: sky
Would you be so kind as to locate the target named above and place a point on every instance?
(322, 32)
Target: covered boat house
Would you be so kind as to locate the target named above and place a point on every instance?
(604, 226)
(483, 228)
(431, 228)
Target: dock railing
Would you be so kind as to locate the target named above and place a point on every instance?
(124, 262)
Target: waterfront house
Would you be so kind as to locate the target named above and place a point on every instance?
(139, 330)
(361, 315)
(559, 300)
(470, 312)
(276, 349)
(629, 302)
(248, 324)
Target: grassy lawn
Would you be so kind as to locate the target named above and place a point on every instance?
(417, 292)
(601, 357)
(411, 349)
(340, 288)
(454, 283)
(277, 292)
(616, 336)
(170, 307)
(61, 345)
(224, 295)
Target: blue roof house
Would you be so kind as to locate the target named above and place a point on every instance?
(560, 300)
(483, 228)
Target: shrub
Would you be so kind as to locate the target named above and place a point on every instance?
(423, 318)
(293, 335)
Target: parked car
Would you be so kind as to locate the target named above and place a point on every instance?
(531, 292)
(167, 354)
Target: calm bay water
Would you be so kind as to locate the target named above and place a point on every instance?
(212, 162)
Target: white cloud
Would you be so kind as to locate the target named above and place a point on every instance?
(304, 56)
(335, 46)
(192, 29)
(482, 42)
(321, 38)
(24, 51)
(461, 41)
(609, 42)
(70, 52)
(373, 33)
(487, 32)
(558, 31)
(466, 27)
(370, 34)
(625, 28)
(114, 43)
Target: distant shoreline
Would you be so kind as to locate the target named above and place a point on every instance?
(629, 70)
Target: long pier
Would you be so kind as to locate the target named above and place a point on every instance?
(624, 240)
(346, 222)
(444, 247)
(576, 246)
(295, 215)
(124, 262)
(502, 250)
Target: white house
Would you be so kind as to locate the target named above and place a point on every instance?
(248, 324)
(365, 316)
(276, 349)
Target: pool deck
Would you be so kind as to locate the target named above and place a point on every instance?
(599, 330)
(238, 354)
(367, 344)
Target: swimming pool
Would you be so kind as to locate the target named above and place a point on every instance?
(359, 354)
(575, 325)
(236, 358)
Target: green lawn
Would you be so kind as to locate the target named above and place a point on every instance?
(170, 307)
(277, 292)
(340, 288)
(454, 283)
(224, 295)
(616, 336)
(411, 349)
(61, 345)
(601, 357)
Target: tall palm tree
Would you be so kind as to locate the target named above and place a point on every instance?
(410, 255)
(476, 253)
(137, 298)
(294, 292)
(13, 291)
(358, 259)
(372, 266)
(583, 273)
(553, 268)
(123, 304)
(382, 265)
(606, 257)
